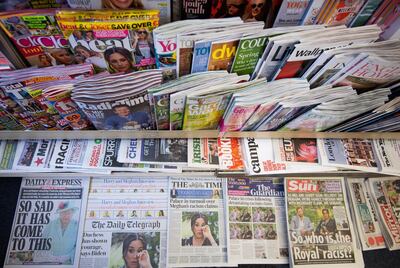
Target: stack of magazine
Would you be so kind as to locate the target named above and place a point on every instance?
(202, 221)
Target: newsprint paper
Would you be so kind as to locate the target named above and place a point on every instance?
(196, 227)
(124, 227)
(48, 223)
(319, 225)
(386, 196)
(257, 221)
(365, 215)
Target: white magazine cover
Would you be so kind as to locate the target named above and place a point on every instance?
(320, 229)
(203, 153)
(259, 157)
(386, 195)
(256, 221)
(366, 218)
(355, 154)
(388, 152)
(124, 227)
(48, 223)
(196, 225)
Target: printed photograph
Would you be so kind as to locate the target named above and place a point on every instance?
(392, 188)
(263, 214)
(132, 250)
(240, 231)
(200, 228)
(20, 257)
(265, 231)
(240, 214)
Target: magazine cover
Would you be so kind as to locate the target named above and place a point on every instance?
(385, 193)
(291, 13)
(256, 221)
(114, 46)
(53, 210)
(344, 11)
(38, 38)
(222, 54)
(196, 222)
(203, 153)
(319, 225)
(123, 227)
(368, 226)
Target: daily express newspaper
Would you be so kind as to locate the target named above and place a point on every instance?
(368, 228)
(319, 225)
(124, 227)
(196, 227)
(256, 221)
(48, 223)
(386, 196)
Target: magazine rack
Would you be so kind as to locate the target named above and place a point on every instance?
(93, 134)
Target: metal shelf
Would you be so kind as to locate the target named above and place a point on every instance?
(93, 134)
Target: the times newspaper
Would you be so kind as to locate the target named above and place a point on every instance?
(196, 227)
(256, 221)
(48, 222)
(123, 226)
(386, 196)
(367, 223)
(203, 153)
(320, 229)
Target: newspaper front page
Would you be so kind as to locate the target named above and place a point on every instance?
(367, 223)
(256, 221)
(386, 197)
(319, 225)
(124, 227)
(48, 223)
(203, 153)
(196, 227)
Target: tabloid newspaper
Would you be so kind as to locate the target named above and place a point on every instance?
(386, 195)
(319, 225)
(123, 227)
(196, 227)
(367, 224)
(256, 221)
(203, 153)
(48, 223)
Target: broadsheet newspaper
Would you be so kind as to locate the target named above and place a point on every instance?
(196, 227)
(124, 227)
(257, 223)
(319, 225)
(48, 223)
(367, 223)
(386, 196)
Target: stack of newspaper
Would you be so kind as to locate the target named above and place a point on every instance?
(125, 108)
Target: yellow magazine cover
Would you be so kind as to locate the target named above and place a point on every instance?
(222, 54)
(106, 15)
(66, 26)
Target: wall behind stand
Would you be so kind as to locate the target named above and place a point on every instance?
(9, 190)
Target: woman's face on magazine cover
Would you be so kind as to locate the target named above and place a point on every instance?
(122, 4)
(83, 53)
(119, 62)
(256, 7)
(131, 257)
(198, 228)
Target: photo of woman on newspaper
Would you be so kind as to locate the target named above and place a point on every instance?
(202, 234)
(135, 250)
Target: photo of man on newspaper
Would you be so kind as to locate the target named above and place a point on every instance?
(135, 250)
(301, 224)
(203, 229)
(327, 224)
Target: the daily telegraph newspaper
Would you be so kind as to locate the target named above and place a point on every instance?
(48, 223)
(124, 227)
(386, 196)
(196, 226)
(203, 153)
(256, 221)
(365, 215)
(319, 225)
